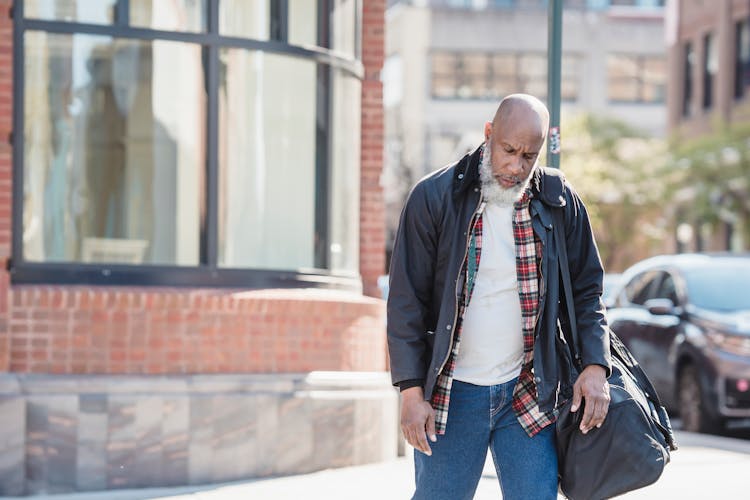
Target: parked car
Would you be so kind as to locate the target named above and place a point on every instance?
(612, 282)
(686, 319)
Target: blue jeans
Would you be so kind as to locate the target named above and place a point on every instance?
(481, 417)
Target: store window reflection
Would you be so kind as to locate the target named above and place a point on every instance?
(267, 160)
(114, 150)
(344, 217)
(82, 11)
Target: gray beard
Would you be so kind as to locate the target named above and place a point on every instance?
(492, 192)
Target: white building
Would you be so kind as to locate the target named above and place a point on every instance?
(449, 62)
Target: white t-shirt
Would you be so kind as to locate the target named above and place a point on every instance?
(491, 350)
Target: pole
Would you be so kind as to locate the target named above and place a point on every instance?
(554, 57)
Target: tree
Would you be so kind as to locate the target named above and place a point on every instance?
(613, 167)
(707, 178)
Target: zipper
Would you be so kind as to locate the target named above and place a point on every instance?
(542, 290)
(478, 210)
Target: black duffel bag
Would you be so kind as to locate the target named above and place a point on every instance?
(631, 448)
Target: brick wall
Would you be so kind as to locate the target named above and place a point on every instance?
(79, 330)
(59, 329)
(372, 207)
(696, 19)
(6, 172)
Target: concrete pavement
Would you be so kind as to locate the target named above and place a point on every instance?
(704, 467)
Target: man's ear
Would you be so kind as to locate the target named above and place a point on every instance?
(487, 131)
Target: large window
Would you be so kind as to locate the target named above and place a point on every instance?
(688, 65)
(741, 58)
(482, 75)
(114, 150)
(710, 68)
(187, 142)
(636, 78)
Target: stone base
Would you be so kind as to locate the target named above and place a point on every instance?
(95, 432)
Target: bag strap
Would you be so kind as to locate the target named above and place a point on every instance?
(617, 348)
(562, 259)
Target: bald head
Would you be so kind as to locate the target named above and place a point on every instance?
(522, 110)
(513, 141)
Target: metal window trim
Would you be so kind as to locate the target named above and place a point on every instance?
(208, 273)
(318, 54)
(49, 273)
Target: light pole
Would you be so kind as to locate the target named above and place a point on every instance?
(554, 57)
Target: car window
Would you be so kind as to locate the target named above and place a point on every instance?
(720, 286)
(667, 289)
(642, 287)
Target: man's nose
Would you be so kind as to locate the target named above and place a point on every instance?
(515, 165)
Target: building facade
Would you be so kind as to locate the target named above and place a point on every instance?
(709, 89)
(191, 226)
(709, 65)
(449, 63)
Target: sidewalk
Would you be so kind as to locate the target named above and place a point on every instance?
(704, 467)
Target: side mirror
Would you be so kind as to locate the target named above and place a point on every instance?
(661, 307)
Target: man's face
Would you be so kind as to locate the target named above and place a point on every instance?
(515, 150)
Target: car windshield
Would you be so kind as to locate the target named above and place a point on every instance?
(722, 286)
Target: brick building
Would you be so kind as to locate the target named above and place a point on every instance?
(709, 57)
(709, 91)
(192, 228)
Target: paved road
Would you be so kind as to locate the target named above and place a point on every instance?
(705, 467)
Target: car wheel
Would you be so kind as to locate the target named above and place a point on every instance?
(692, 403)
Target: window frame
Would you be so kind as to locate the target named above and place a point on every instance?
(640, 62)
(207, 272)
(741, 67)
(709, 71)
(521, 81)
(688, 73)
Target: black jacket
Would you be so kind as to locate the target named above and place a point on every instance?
(426, 279)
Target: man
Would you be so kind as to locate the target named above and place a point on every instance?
(473, 313)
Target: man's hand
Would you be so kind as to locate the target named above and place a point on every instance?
(417, 419)
(592, 386)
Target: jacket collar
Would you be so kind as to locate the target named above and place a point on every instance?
(466, 173)
(548, 184)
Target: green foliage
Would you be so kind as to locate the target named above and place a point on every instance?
(613, 168)
(708, 176)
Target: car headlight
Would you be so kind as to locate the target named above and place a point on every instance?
(736, 344)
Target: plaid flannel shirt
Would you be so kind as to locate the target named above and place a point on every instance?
(528, 247)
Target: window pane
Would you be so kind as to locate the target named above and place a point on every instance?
(475, 75)
(344, 182)
(176, 15)
(303, 22)
(444, 86)
(533, 74)
(504, 64)
(624, 76)
(114, 150)
(623, 90)
(443, 63)
(503, 86)
(344, 27)
(267, 154)
(82, 11)
(444, 74)
(245, 18)
(504, 77)
(654, 79)
(570, 75)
